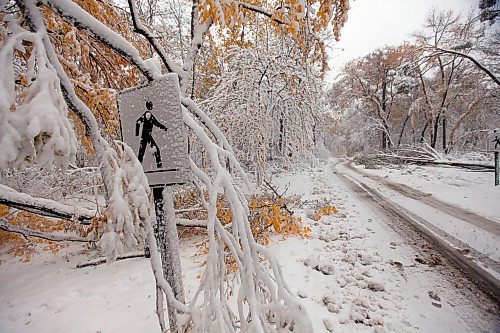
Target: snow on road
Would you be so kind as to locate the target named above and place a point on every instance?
(469, 191)
(375, 273)
(355, 274)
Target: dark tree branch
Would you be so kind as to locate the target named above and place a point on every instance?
(277, 196)
(100, 261)
(259, 10)
(144, 31)
(474, 61)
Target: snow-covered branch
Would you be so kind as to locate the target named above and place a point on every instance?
(39, 130)
(26, 232)
(140, 28)
(36, 23)
(263, 297)
(191, 223)
(198, 33)
(103, 260)
(77, 17)
(46, 207)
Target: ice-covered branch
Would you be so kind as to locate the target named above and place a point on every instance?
(26, 232)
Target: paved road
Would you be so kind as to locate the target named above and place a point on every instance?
(460, 213)
(480, 269)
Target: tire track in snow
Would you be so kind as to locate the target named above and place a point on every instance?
(474, 265)
(430, 200)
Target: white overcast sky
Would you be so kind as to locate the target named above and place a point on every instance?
(375, 23)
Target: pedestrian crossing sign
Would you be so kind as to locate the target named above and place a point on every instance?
(494, 141)
(151, 124)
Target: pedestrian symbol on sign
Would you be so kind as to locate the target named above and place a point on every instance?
(496, 140)
(148, 121)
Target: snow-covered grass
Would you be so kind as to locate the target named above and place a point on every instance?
(355, 274)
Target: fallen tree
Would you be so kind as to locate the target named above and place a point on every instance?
(418, 155)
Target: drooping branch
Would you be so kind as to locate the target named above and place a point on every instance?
(36, 23)
(26, 232)
(474, 61)
(45, 207)
(207, 122)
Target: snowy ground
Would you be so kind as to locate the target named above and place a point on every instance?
(356, 274)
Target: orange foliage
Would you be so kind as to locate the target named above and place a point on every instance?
(327, 209)
(288, 16)
(25, 248)
(267, 215)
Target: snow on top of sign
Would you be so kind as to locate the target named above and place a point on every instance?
(154, 66)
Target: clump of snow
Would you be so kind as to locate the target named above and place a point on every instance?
(34, 124)
(129, 205)
(154, 66)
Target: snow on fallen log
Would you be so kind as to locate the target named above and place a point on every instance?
(102, 260)
(45, 207)
(191, 223)
(423, 160)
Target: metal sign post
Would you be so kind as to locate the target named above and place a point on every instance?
(494, 146)
(497, 168)
(151, 124)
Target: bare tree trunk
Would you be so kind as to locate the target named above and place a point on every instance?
(403, 129)
(444, 132)
(422, 134)
(434, 132)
